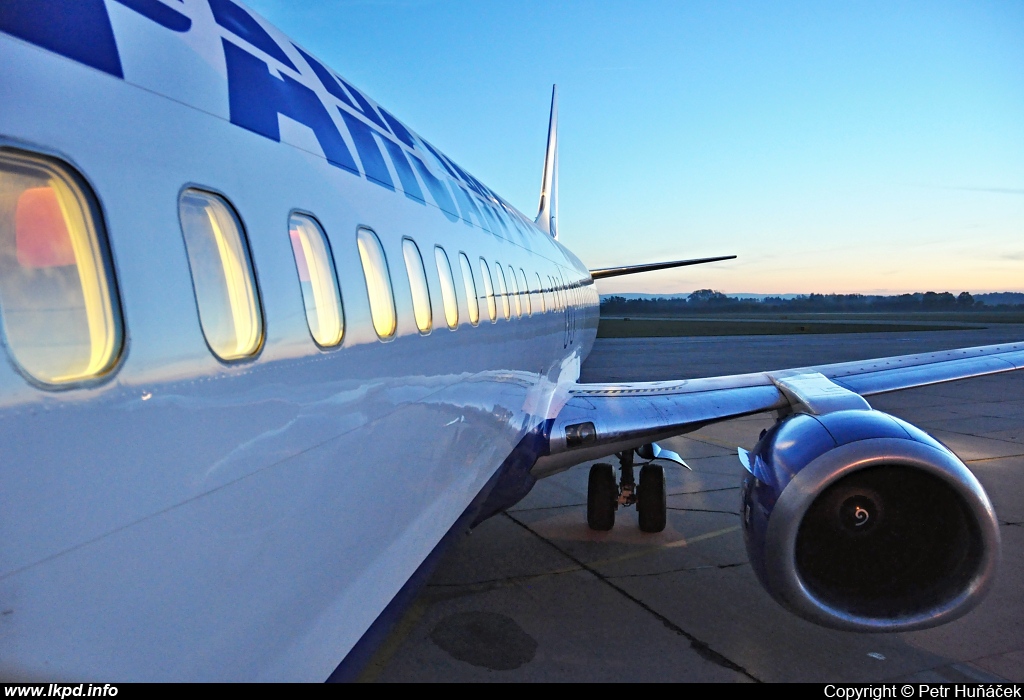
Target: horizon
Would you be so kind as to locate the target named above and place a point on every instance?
(863, 148)
(753, 295)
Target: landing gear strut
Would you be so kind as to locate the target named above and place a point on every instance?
(604, 496)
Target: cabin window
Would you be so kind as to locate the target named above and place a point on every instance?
(317, 279)
(485, 273)
(540, 294)
(222, 275)
(57, 291)
(524, 292)
(418, 285)
(378, 283)
(503, 291)
(513, 288)
(451, 301)
(471, 298)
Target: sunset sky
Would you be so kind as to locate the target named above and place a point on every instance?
(872, 147)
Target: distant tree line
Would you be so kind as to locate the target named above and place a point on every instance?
(710, 300)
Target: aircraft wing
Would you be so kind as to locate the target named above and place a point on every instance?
(597, 420)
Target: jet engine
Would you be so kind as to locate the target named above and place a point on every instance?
(860, 521)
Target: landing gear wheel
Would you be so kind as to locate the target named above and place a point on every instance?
(651, 504)
(602, 497)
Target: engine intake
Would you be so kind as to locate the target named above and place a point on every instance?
(860, 521)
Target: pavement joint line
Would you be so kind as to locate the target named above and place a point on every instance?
(954, 672)
(983, 437)
(680, 493)
(691, 493)
(430, 596)
(989, 459)
(491, 584)
(715, 443)
(682, 571)
(704, 510)
(530, 510)
(495, 583)
(424, 601)
(700, 647)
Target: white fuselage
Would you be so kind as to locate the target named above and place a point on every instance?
(181, 517)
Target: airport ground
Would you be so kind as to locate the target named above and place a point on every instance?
(534, 595)
(764, 323)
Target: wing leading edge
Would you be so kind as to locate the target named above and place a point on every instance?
(597, 420)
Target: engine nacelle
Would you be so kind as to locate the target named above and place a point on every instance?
(860, 521)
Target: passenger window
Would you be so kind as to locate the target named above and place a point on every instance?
(222, 276)
(513, 288)
(378, 283)
(418, 284)
(471, 299)
(502, 291)
(57, 292)
(451, 301)
(524, 292)
(318, 281)
(540, 294)
(492, 308)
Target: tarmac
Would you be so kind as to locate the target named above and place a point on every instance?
(535, 595)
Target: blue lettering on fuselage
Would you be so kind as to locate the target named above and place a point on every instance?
(81, 30)
(240, 23)
(398, 129)
(405, 174)
(327, 79)
(160, 13)
(256, 98)
(77, 29)
(373, 162)
(437, 189)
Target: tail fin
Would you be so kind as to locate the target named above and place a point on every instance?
(547, 213)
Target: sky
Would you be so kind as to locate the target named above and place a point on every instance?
(835, 147)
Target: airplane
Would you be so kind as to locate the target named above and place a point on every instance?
(269, 350)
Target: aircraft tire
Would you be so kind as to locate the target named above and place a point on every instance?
(602, 497)
(651, 503)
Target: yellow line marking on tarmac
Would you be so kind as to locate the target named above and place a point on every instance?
(418, 609)
(380, 660)
(683, 542)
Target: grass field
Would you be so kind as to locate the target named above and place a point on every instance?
(786, 325)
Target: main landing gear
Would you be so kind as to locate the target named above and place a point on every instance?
(604, 496)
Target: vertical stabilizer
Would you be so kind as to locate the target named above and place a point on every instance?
(547, 213)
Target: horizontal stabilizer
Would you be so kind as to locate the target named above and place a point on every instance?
(603, 272)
